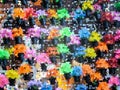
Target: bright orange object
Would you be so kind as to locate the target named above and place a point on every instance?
(95, 76)
(17, 32)
(52, 73)
(52, 51)
(102, 63)
(87, 69)
(38, 3)
(18, 12)
(103, 86)
(19, 48)
(25, 69)
(53, 33)
(102, 47)
(52, 13)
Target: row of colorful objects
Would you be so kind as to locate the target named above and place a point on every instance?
(65, 37)
(62, 41)
(67, 59)
(65, 80)
(60, 16)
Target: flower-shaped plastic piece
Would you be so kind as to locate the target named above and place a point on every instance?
(52, 13)
(12, 74)
(17, 32)
(54, 33)
(65, 32)
(34, 32)
(117, 53)
(79, 14)
(103, 86)
(84, 33)
(97, 7)
(4, 54)
(63, 13)
(52, 73)
(117, 35)
(81, 87)
(65, 68)
(109, 39)
(113, 62)
(52, 51)
(86, 69)
(3, 81)
(18, 13)
(102, 47)
(63, 83)
(25, 69)
(33, 83)
(117, 5)
(79, 51)
(114, 80)
(87, 5)
(30, 53)
(46, 86)
(74, 40)
(29, 12)
(6, 33)
(19, 48)
(41, 13)
(42, 58)
(62, 48)
(116, 15)
(102, 63)
(95, 36)
(76, 71)
(96, 76)
(106, 16)
(90, 53)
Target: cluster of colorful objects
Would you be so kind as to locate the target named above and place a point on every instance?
(66, 59)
